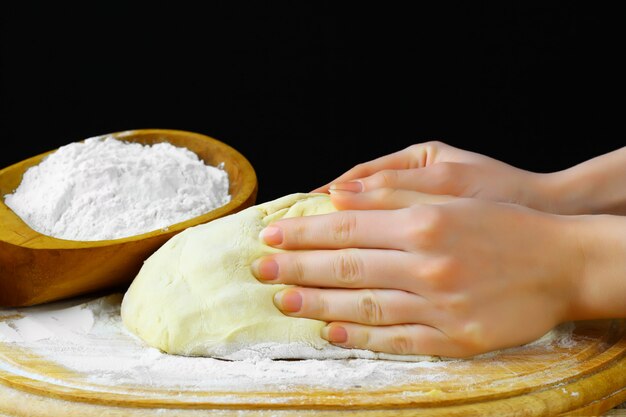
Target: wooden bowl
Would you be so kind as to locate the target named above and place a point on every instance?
(36, 268)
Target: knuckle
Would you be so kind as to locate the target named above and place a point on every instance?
(440, 274)
(469, 339)
(427, 225)
(297, 235)
(369, 310)
(457, 305)
(298, 274)
(383, 194)
(360, 337)
(401, 345)
(434, 275)
(433, 218)
(443, 172)
(449, 177)
(344, 228)
(384, 178)
(426, 153)
(322, 307)
(348, 267)
(432, 145)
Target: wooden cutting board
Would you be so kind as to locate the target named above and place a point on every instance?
(584, 376)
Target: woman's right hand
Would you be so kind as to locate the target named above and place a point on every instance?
(437, 168)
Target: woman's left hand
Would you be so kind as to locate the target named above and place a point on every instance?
(395, 272)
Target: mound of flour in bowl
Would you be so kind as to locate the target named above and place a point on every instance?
(104, 188)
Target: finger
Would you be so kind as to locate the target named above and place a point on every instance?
(407, 339)
(440, 178)
(343, 268)
(396, 160)
(415, 156)
(384, 199)
(372, 307)
(382, 229)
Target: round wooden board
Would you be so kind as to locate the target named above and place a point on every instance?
(585, 376)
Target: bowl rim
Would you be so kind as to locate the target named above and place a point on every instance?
(248, 190)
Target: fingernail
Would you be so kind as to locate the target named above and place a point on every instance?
(351, 186)
(335, 334)
(289, 301)
(265, 269)
(341, 193)
(272, 235)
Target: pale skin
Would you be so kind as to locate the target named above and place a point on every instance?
(440, 251)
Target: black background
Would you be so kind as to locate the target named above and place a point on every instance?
(305, 90)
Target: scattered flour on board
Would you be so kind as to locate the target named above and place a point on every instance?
(87, 336)
(103, 188)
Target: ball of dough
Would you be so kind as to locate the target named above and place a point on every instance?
(196, 295)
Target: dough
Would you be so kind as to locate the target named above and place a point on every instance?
(196, 295)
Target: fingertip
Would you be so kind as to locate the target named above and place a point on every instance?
(271, 235)
(334, 333)
(288, 301)
(355, 186)
(265, 269)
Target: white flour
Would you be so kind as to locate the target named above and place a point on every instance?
(108, 189)
(89, 338)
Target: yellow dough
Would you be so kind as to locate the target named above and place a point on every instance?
(197, 296)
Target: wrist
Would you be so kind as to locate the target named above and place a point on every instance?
(551, 193)
(598, 280)
(570, 193)
(593, 187)
(564, 192)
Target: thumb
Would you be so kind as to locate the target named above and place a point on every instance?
(440, 178)
(384, 199)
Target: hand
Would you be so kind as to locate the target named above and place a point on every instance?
(437, 168)
(455, 278)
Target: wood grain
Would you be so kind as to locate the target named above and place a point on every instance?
(585, 377)
(35, 268)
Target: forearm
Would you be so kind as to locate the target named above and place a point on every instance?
(596, 186)
(599, 286)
